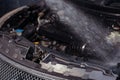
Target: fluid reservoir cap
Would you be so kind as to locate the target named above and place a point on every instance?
(19, 31)
(36, 43)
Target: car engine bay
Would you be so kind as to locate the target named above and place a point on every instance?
(50, 41)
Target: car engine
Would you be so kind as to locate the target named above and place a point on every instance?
(63, 40)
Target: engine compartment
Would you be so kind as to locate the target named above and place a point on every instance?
(37, 35)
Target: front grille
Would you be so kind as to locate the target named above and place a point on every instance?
(8, 72)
